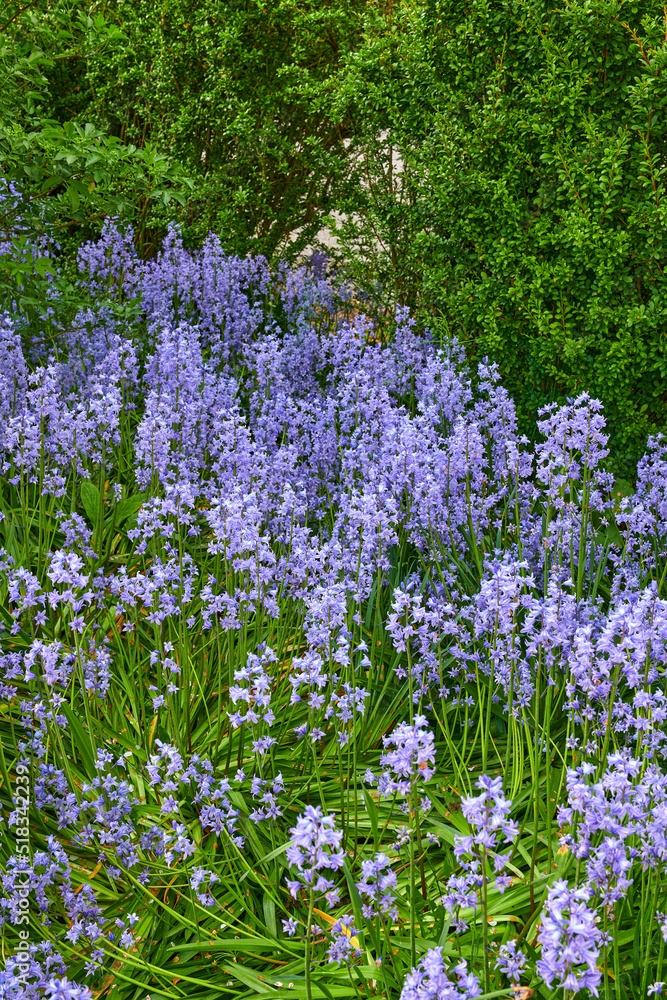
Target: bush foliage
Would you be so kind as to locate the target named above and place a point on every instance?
(234, 94)
(528, 216)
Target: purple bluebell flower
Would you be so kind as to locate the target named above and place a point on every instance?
(430, 980)
(411, 759)
(342, 948)
(511, 960)
(488, 813)
(62, 989)
(199, 876)
(379, 887)
(570, 940)
(314, 846)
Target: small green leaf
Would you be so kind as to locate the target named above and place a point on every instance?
(371, 809)
(81, 739)
(128, 507)
(269, 908)
(90, 499)
(268, 857)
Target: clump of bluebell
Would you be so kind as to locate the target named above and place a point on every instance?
(300, 635)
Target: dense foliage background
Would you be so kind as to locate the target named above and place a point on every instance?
(497, 166)
(529, 214)
(236, 95)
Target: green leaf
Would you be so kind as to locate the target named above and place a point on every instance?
(90, 499)
(268, 857)
(269, 907)
(248, 977)
(371, 809)
(5, 615)
(43, 265)
(81, 738)
(128, 507)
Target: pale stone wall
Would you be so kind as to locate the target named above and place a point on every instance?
(325, 235)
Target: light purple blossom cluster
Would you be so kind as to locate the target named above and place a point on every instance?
(342, 947)
(488, 815)
(253, 687)
(511, 961)
(248, 464)
(431, 980)
(410, 762)
(378, 887)
(570, 940)
(315, 846)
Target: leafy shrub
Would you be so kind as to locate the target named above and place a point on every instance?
(235, 96)
(527, 217)
(66, 177)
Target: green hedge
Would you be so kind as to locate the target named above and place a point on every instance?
(236, 94)
(528, 219)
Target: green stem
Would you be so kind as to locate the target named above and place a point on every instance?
(485, 924)
(311, 904)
